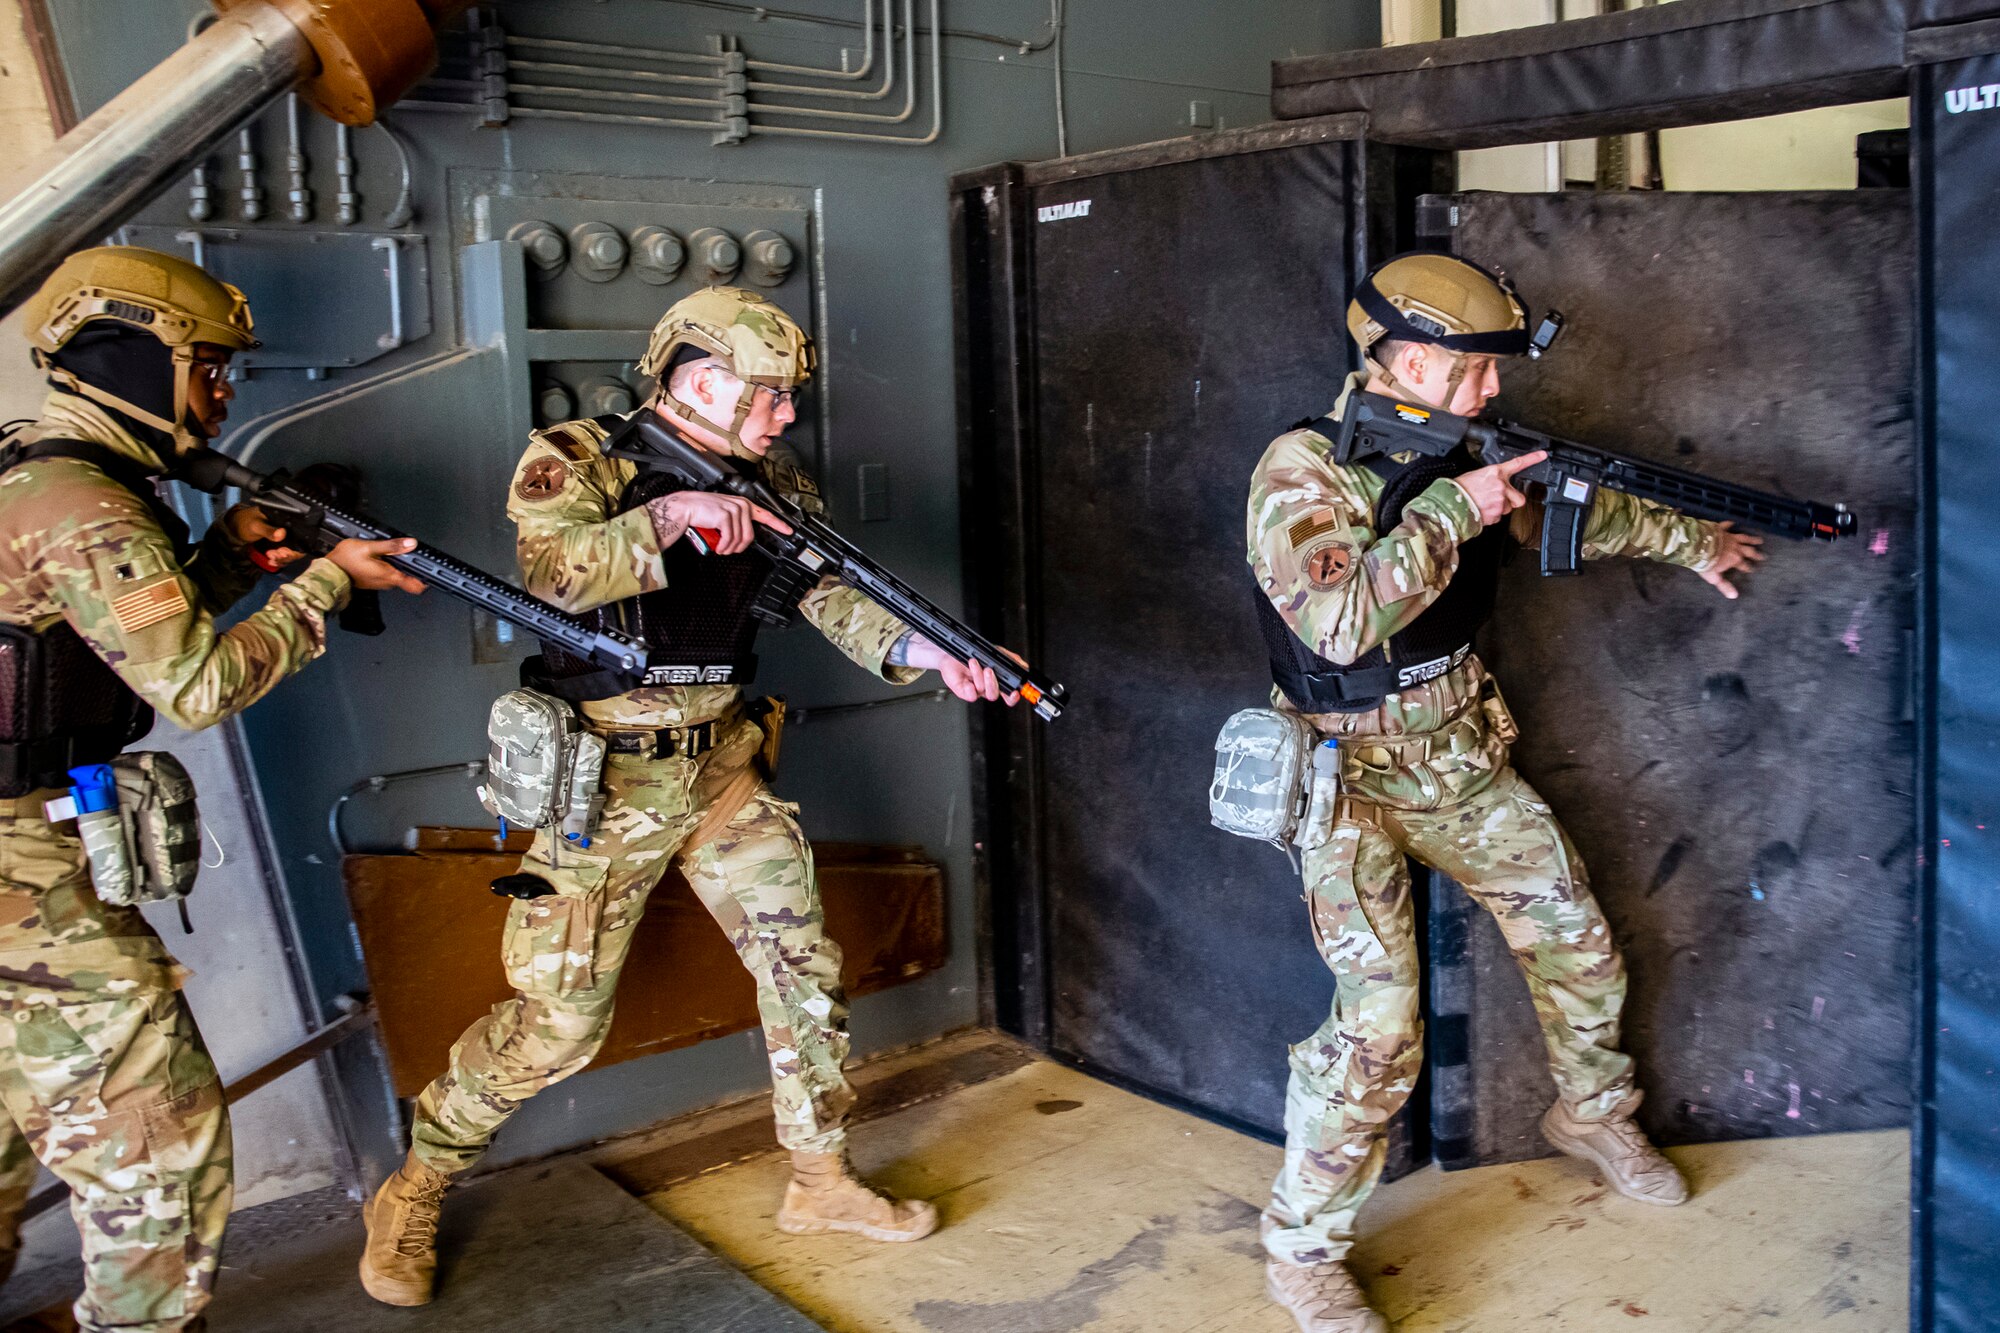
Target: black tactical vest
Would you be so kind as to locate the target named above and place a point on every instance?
(60, 705)
(698, 630)
(1427, 647)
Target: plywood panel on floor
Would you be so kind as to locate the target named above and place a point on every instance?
(430, 932)
(1070, 1205)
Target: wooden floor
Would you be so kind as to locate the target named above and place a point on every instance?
(1070, 1205)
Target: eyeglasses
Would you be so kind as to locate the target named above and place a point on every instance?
(781, 397)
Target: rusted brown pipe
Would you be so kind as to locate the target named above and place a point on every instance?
(370, 52)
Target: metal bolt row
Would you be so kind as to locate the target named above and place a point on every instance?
(599, 252)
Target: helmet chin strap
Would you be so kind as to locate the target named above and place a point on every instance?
(732, 435)
(1451, 383)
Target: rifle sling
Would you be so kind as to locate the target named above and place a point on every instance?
(728, 804)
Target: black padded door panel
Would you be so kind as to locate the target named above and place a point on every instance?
(1737, 775)
(1186, 318)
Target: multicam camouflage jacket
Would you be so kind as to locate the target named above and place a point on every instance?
(577, 554)
(76, 545)
(1344, 588)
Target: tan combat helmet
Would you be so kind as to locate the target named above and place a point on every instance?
(1442, 301)
(168, 297)
(748, 334)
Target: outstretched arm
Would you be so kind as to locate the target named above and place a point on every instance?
(120, 586)
(1622, 524)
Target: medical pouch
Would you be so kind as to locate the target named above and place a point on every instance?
(154, 853)
(543, 768)
(1263, 775)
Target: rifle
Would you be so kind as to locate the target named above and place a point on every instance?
(813, 549)
(315, 524)
(1374, 423)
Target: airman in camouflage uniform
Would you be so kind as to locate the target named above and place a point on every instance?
(103, 1075)
(728, 362)
(1425, 773)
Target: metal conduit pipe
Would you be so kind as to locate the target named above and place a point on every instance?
(605, 72)
(598, 94)
(617, 51)
(758, 111)
(879, 92)
(867, 50)
(909, 90)
(610, 49)
(145, 137)
(603, 117)
(908, 141)
(352, 56)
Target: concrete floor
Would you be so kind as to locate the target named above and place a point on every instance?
(548, 1248)
(1070, 1206)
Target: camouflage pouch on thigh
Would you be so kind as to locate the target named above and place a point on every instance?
(1274, 780)
(543, 768)
(162, 827)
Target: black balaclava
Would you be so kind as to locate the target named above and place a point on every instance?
(127, 364)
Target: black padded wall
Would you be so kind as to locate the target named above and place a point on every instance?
(1738, 775)
(1170, 315)
(1957, 1180)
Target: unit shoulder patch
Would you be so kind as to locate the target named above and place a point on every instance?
(1328, 565)
(542, 478)
(785, 473)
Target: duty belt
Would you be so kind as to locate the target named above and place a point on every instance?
(1385, 754)
(1372, 683)
(689, 742)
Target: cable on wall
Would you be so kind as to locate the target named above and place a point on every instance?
(1056, 26)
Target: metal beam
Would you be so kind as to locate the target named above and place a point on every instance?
(120, 157)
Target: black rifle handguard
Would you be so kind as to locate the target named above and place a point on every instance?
(1374, 423)
(318, 526)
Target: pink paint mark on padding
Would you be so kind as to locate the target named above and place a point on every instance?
(1792, 1111)
(1851, 636)
(1819, 1007)
(1879, 543)
(1750, 1078)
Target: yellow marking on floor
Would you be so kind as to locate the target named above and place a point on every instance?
(1071, 1205)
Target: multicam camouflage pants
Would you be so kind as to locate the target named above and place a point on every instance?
(564, 953)
(105, 1080)
(1499, 840)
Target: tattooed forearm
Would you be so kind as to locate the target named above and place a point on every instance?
(665, 526)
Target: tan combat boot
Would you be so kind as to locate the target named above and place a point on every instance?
(1620, 1151)
(399, 1265)
(1324, 1298)
(826, 1195)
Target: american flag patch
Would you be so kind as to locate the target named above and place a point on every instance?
(162, 599)
(1311, 526)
